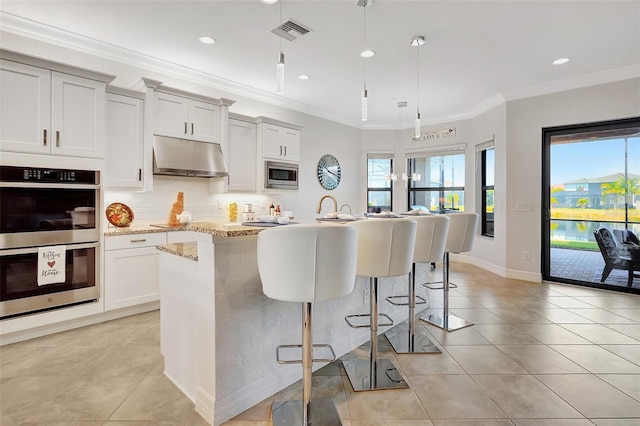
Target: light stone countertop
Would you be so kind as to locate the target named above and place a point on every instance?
(213, 228)
(187, 250)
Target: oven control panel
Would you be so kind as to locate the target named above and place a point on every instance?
(32, 174)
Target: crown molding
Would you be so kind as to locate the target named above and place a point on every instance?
(34, 30)
(37, 31)
(573, 83)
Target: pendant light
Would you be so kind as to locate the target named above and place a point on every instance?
(280, 64)
(364, 100)
(417, 42)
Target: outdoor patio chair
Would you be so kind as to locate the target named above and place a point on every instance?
(626, 236)
(617, 255)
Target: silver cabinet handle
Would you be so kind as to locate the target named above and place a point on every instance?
(44, 137)
(139, 174)
(285, 150)
(57, 138)
(142, 240)
(191, 128)
(185, 127)
(280, 149)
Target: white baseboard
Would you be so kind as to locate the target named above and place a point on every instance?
(535, 277)
(29, 327)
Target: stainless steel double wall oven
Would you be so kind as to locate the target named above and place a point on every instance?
(54, 209)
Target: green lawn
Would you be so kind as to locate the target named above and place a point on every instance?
(575, 245)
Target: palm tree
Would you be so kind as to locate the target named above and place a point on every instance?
(582, 202)
(620, 188)
(555, 189)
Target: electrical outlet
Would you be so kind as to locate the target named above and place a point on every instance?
(526, 255)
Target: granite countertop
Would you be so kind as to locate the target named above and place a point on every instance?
(187, 250)
(216, 229)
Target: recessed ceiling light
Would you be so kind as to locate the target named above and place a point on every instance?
(303, 77)
(207, 40)
(269, 1)
(367, 53)
(561, 61)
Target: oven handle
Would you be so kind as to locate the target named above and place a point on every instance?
(47, 185)
(28, 250)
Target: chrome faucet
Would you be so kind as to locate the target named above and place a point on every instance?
(345, 205)
(335, 203)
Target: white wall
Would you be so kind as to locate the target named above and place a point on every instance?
(525, 120)
(490, 253)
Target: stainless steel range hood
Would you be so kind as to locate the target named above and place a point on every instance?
(181, 157)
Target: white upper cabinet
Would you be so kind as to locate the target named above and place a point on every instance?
(278, 142)
(181, 117)
(50, 112)
(25, 108)
(77, 116)
(124, 159)
(241, 156)
(204, 121)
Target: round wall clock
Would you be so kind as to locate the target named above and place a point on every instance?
(329, 172)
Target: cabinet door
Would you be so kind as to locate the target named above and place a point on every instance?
(171, 115)
(241, 156)
(25, 108)
(272, 141)
(131, 277)
(204, 121)
(124, 143)
(77, 116)
(291, 143)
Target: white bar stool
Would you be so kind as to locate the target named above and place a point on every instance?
(431, 236)
(385, 249)
(306, 264)
(460, 238)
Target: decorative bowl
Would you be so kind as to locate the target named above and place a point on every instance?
(119, 214)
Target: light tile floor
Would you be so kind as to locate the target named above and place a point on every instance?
(539, 355)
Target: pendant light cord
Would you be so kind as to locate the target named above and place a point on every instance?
(418, 79)
(280, 24)
(364, 45)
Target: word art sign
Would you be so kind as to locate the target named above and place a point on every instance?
(436, 134)
(51, 264)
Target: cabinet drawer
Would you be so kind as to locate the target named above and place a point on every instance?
(118, 242)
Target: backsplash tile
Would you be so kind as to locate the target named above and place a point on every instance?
(155, 206)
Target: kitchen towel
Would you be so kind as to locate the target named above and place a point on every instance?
(51, 264)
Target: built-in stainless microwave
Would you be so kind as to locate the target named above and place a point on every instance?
(280, 175)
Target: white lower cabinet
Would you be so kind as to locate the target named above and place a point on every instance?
(131, 269)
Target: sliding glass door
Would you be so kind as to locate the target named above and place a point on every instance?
(591, 181)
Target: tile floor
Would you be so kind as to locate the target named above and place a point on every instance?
(539, 355)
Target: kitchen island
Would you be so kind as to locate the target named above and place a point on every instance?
(219, 332)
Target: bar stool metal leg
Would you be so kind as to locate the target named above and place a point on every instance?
(306, 412)
(437, 285)
(441, 317)
(405, 338)
(374, 374)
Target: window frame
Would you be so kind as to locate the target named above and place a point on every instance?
(484, 188)
(381, 156)
(441, 190)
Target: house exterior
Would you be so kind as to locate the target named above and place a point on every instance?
(591, 189)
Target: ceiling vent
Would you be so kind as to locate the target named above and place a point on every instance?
(290, 30)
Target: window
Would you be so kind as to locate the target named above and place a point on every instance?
(379, 183)
(487, 167)
(441, 184)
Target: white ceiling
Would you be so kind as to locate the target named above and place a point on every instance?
(477, 52)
